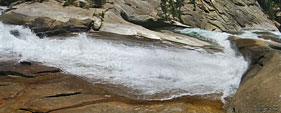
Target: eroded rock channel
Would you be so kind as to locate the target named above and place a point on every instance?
(57, 57)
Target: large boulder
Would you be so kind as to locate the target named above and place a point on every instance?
(251, 49)
(44, 26)
(268, 36)
(144, 20)
(51, 18)
(260, 86)
(51, 9)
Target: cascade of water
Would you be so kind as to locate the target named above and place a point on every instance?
(149, 69)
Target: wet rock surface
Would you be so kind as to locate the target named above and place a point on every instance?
(260, 87)
(33, 87)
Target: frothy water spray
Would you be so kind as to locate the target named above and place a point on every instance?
(149, 69)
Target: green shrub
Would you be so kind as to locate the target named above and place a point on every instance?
(69, 2)
(171, 8)
(99, 3)
(82, 4)
(271, 7)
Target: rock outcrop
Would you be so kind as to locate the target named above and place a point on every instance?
(32, 87)
(260, 86)
(112, 21)
(226, 15)
(218, 15)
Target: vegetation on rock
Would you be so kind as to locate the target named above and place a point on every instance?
(99, 3)
(171, 8)
(85, 4)
(69, 2)
(271, 7)
(7, 2)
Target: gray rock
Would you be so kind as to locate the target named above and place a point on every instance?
(44, 26)
(16, 33)
(226, 15)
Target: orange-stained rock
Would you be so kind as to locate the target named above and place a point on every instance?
(45, 89)
(260, 88)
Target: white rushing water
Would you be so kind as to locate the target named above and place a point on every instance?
(148, 69)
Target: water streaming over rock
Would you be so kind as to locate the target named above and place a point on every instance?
(146, 69)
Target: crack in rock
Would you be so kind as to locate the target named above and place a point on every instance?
(25, 63)
(63, 95)
(6, 73)
(5, 84)
(50, 71)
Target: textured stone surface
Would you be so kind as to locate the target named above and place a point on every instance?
(260, 87)
(44, 26)
(218, 15)
(113, 22)
(226, 15)
(49, 90)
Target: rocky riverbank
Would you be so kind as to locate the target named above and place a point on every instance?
(32, 87)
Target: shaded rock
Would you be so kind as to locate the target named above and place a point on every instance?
(273, 38)
(25, 63)
(44, 26)
(269, 36)
(260, 87)
(77, 25)
(251, 49)
(145, 21)
(7, 2)
(16, 33)
(15, 18)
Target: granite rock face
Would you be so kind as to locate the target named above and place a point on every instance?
(260, 86)
(32, 87)
(226, 15)
(215, 15)
(57, 19)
